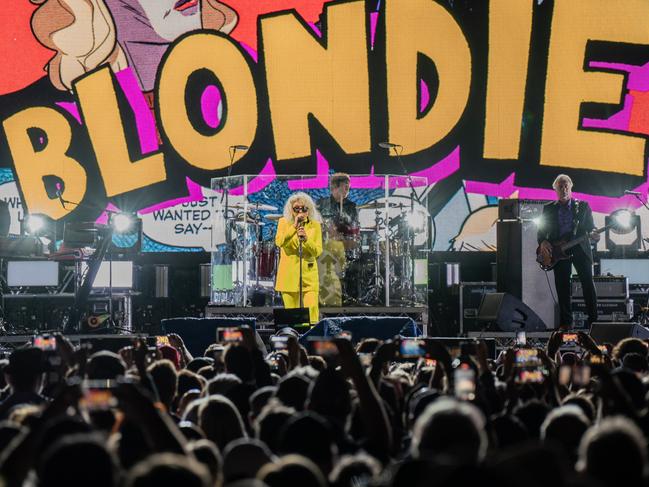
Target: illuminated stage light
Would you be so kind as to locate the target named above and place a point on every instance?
(623, 233)
(35, 224)
(122, 222)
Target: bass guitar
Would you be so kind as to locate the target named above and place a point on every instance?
(559, 250)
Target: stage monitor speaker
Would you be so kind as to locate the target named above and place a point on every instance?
(504, 312)
(614, 332)
(517, 270)
(361, 327)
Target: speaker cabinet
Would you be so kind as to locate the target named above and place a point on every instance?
(504, 312)
(518, 272)
(471, 295)
(614, 332)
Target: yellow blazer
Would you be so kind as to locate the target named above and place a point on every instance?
(288, 273)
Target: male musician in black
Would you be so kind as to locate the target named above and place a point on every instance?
(564, 220)
(341, 224)
(337, 207)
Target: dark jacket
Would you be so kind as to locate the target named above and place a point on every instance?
(329, 209)
(582, 218)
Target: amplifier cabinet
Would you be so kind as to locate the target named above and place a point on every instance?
(471, 294)
(607, 310)
(519, 209)
(607, 287)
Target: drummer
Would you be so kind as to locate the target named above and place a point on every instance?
(337, 210)
(339, 273)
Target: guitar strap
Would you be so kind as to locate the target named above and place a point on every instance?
(575, 216)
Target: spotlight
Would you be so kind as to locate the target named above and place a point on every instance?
(416, 220)
(35, 224)
(538, 221)
(122, 222)
(623, 232)
(622, 219)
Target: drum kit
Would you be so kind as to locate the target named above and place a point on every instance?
(252, 260)
(367, 249)
(390, 240)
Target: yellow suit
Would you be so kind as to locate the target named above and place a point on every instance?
(288, 273)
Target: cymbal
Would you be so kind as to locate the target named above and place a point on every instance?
(241, 221)
(243, 218)
(376, 205)
(254, 206)
(273, 216)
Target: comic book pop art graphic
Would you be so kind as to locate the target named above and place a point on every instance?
(137, 104)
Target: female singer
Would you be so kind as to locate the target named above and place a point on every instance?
(301, 222)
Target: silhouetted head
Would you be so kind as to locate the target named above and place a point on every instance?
(220, 421)
(168, 469)
(165, 378)
(105, 365)
(292, 471)
(450, 428)
(310, 435)
(614, 453)
(78, 460)
(565, 427)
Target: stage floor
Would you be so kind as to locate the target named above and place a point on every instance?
(264, 314)
(102, 341)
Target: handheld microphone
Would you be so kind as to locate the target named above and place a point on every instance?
(635, 193)
(239, 147)
(387, 145)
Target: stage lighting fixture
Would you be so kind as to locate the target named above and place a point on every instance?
(35, 223)
(622, 219)
(417, 220)
(623, 232)
(537, 221)
(122, 222)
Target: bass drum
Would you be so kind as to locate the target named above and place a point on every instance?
(268, 259)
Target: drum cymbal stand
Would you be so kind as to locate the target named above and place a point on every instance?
(372, 296)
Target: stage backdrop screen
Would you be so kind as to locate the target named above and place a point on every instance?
(134, 105)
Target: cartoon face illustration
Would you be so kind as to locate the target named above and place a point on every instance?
(86, 34)
(170, 18)
(478, 232)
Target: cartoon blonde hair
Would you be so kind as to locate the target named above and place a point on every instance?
(83, 35)
(308, 202)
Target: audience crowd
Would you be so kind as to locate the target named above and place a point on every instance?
(373, 413)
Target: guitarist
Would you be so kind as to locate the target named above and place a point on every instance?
(564, 220)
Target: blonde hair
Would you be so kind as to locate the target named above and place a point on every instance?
(308, 202)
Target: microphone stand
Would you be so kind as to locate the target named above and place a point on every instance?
(300, 254)
(405, 173)
(644, 203)
(228, 237)
(644, 318)
(413, 197)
